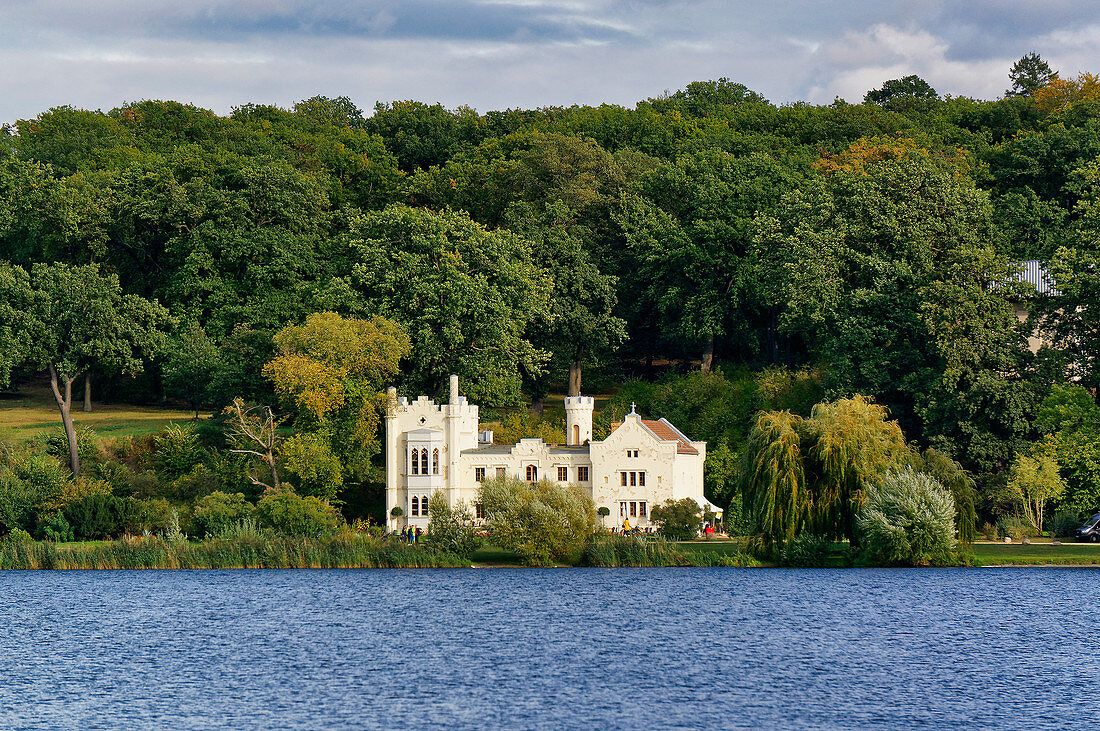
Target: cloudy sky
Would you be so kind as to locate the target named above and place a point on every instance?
(496, 54)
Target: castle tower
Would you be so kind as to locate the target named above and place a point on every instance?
(578, 419)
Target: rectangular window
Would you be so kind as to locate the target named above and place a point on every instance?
(532, 473)
(633, 479)
(633, 510)
(582, 474)
(479, 474)
(641, 509)
(563, 474)
(623, 475)
(622, 510)
(641, 479)
(479, 511)
(501, 472)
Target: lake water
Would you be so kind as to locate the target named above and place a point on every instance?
(656, 648)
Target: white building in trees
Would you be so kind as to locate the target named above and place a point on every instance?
(438, 448)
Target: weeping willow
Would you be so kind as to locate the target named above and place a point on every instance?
(951, 475)
(851, 444)
(773, 482)
(812, 474)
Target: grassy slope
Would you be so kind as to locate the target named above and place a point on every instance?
(32, 412)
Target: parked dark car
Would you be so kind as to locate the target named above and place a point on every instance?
(1090, 531)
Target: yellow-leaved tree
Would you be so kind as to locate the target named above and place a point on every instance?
(330, 373)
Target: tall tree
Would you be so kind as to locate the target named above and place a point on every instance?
(1028, 75)
(886, 272)
(911, 86)
(331, 372)
(464, 294)
(73, 319)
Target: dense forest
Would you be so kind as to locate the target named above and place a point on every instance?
(706, 254)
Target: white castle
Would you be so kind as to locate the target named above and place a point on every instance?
(438, 448)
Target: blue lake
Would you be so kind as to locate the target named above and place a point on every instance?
(656, 648)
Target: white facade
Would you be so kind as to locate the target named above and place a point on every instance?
(434, 448)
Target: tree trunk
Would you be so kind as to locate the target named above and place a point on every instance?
(538, 406)
(708, 355)
(64, 405)
(575, 377)
(88, 392)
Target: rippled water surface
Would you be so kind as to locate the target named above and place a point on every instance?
(657, 648)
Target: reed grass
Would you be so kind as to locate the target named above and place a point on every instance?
(610, 551)
(632, 551)
(342, 552)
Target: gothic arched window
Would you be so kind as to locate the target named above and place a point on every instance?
(532, 473)
(416, 462)
(424, 461)
(416, 506)
(435, 461)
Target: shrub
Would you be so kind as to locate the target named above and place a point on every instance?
(156, 514)
(451, 529)
(1015, 527)
(144, 485)
(177, 451)
(73, 491)
(216, 511)
(93, 516)
(603, 512)
(56, 529)
(198, 482)
(18, 536)
(543, 522)
(678, 520)
(129, 516)
(35, 478)
(1064, 523)
(989, 531)
(290, 514)
(309, 458)
(87, 445)
(17, 503)
(116, 475)
(806, 551)
(908, 519)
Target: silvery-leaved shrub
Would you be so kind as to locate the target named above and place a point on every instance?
(908, 519)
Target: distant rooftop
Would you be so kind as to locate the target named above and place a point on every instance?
(1035, 273)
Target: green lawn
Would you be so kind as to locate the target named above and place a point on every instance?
(495, 555)
(32, 411)
(1044, 553)
(724, 546)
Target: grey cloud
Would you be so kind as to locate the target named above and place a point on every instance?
(495, 54)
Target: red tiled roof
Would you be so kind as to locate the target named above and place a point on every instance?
(667, 434)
